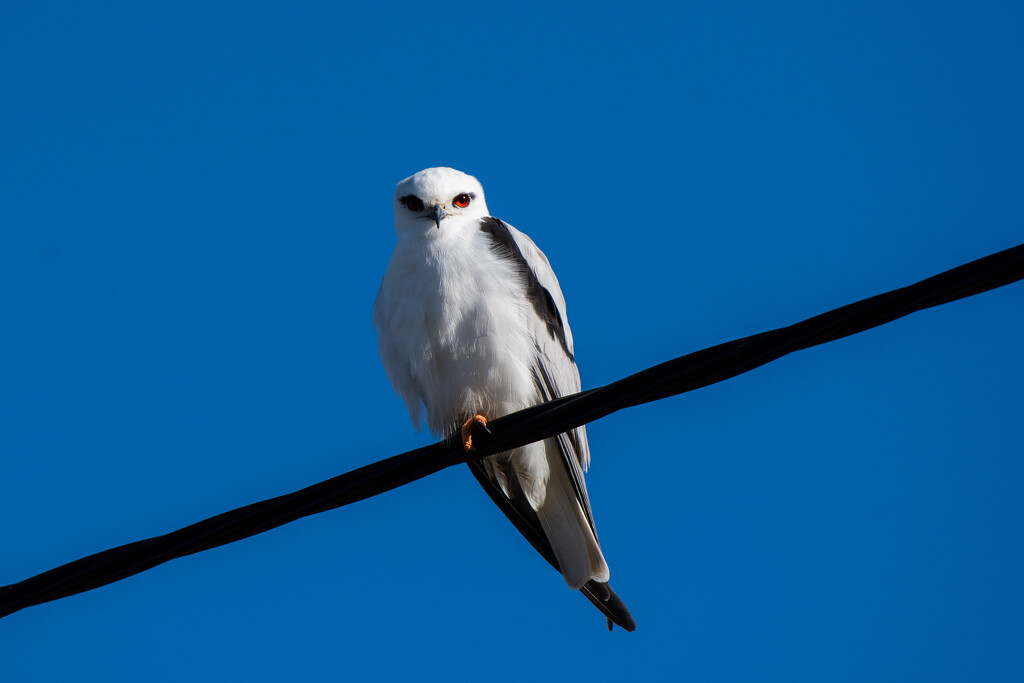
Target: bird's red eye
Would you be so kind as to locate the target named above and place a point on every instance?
(412, 202)
(462, 200)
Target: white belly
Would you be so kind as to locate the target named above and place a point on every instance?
(463, 333)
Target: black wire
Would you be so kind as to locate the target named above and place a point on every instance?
(677, 376)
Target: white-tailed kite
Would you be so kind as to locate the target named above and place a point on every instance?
(472, 325)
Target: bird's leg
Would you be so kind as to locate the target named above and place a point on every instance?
(478, 421)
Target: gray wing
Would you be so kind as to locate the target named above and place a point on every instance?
(555, 371)
(556, 375)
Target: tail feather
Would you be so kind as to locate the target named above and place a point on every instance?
(526, 520)
(569, 533)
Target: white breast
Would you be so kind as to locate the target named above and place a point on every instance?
(453, 330)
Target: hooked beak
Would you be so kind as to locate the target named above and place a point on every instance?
(439, 214)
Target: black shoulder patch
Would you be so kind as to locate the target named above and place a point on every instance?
(539, 297)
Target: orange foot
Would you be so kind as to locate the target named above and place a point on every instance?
(478, 421)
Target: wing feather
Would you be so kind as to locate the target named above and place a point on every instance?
(556, 369)
(555, 375)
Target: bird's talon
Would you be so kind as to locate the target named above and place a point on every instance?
(478, 421)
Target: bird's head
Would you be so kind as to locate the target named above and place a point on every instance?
(438, 199)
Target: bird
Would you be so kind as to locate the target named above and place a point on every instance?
(471, 326)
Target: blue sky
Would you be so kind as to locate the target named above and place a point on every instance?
(195, 215)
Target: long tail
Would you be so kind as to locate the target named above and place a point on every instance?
(566, 527)
(528, 523)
